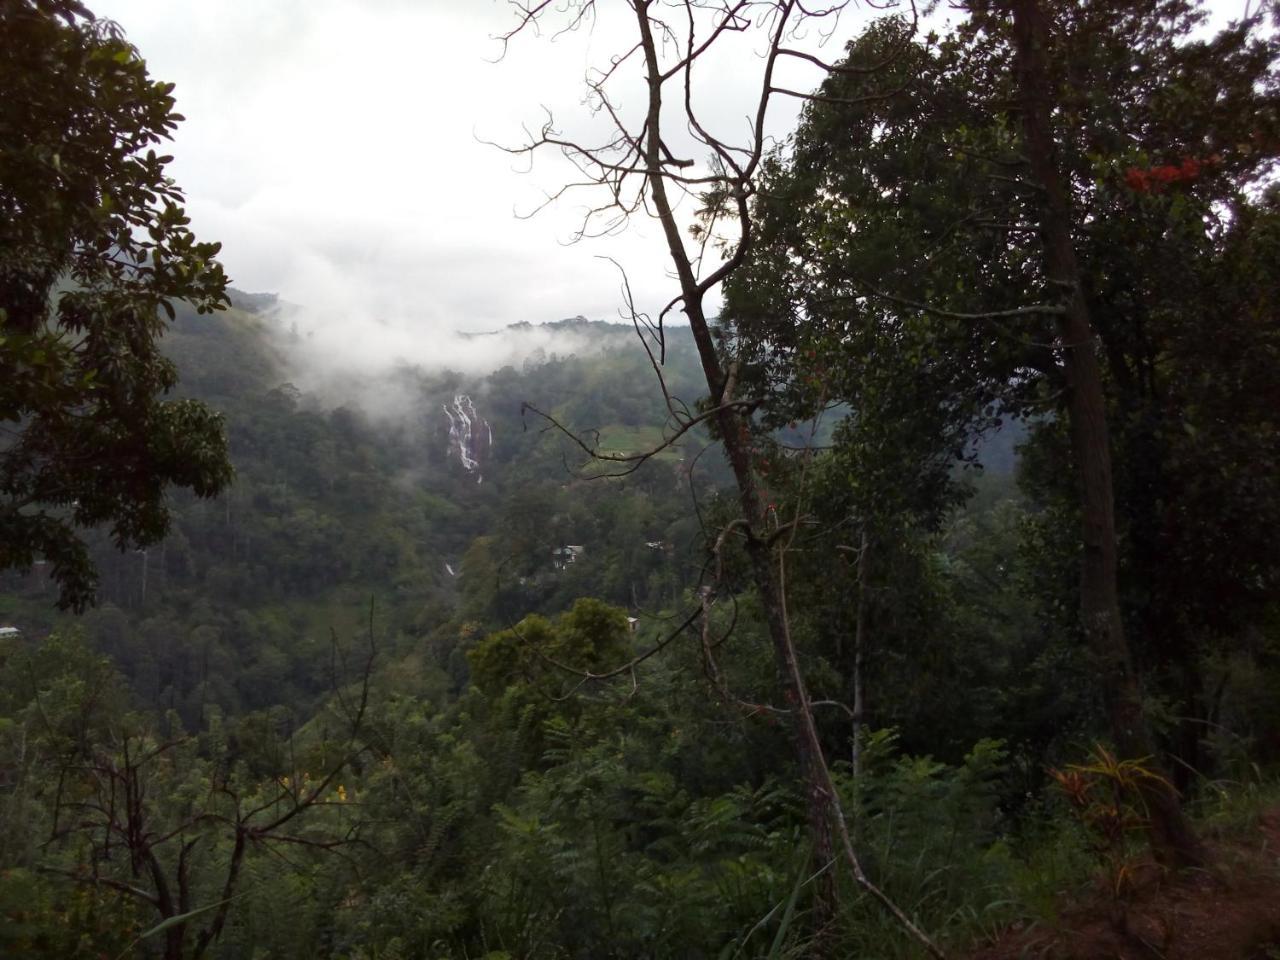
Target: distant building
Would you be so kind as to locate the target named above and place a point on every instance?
(8, 633)
(561, 557)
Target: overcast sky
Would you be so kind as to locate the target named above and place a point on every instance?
(333, 146)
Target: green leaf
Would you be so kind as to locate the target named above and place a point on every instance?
(171, 922)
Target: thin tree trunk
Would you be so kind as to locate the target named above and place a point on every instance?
(767, 565)
(735, 434)
(1172, 838)
(859, 646)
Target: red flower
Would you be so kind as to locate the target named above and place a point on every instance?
(1166, 175)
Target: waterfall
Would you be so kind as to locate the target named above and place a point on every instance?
(465, 435)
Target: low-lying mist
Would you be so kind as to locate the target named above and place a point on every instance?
(377, 365)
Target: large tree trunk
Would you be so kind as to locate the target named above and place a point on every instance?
(1172, 838)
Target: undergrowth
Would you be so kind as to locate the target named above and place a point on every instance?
(936, 839)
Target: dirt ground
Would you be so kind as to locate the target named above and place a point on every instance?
(1230, 911)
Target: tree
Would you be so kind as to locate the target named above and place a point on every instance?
(168, 820)
(1171, 179)
(1100, 614)
(93, 246)
(635, 167)
(1007, 198)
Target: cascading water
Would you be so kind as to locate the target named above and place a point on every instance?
(469, 434)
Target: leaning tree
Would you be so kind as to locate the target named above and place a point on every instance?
(638, 166)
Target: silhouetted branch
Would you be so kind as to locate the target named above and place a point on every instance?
(634, 460)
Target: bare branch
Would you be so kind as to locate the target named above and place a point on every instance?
(634, 460)
(1030, 310)
(146, 896)
(642, 151)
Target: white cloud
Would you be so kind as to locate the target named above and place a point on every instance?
(331, 145)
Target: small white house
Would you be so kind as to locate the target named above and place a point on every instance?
(9, 633)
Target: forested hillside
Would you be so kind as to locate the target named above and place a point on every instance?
(335, 509)
(482, 762)
(915, 594)
(344, 529)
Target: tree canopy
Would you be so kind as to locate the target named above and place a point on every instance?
(1040, 216)
(94, 245)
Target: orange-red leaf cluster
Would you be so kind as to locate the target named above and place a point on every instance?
(1157, 179)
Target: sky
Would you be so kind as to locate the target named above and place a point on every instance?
(337, 149)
